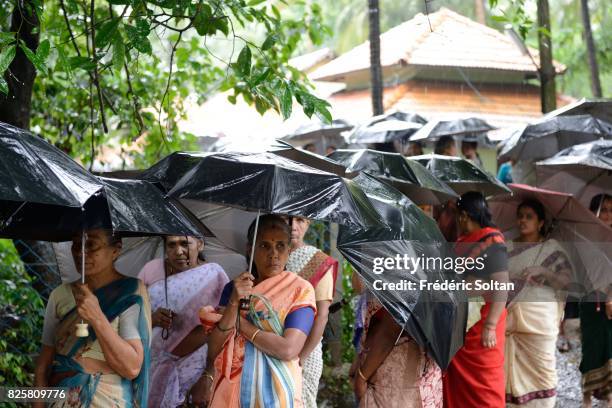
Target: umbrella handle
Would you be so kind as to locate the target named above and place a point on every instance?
(244, 303)
(81, 328)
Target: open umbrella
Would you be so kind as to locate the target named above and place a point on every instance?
(583, 170)
(308, 158)
(273, 184)
(322, 135)
(461, 175)
(408, 176)
(435, 319)
(386, 128)
(586, 239)
(33, 171)
(468, 129)
(598, 108)
(546, 138)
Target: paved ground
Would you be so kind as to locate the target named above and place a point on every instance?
(569, 392)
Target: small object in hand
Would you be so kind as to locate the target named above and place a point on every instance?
(81, 330)
(244, 304)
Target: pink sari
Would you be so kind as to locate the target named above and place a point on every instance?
(171, 376)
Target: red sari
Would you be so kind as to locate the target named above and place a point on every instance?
(475, 376)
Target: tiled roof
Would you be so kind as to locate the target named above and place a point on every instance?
(500, 105)
(445, 39)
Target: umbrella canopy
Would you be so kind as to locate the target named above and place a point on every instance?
(308, 158)
(128, 207)
(598, 108)
(171, 168)
(34, 171)
(435, 319)
(584, 170)
(273, 184)
(544, 139)
(410, 177)
(586, 239)
(387, 128)
(461, 175)
(326, 134)
(469, 129)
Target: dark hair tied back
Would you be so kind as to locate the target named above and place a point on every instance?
(475, 206)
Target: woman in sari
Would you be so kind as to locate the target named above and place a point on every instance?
(393, 370)
(540, 269)
(110, 366)
(596, 328)
(321, 271)
(256, 352)
(475, 376)
(178, 347)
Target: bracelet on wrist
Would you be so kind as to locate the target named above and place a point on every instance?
(363, 377)
(255, 335)
(218, 326)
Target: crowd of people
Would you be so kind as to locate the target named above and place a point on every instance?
(183, 334)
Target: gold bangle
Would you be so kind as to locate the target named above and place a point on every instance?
(255, 335)
(205, 374)
(361, 375)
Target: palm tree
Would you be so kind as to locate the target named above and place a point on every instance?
(375, 69)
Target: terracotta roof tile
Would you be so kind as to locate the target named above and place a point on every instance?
(452, 41)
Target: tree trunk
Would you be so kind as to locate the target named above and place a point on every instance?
(15, 109)
(547, 70)
(375, 69)
(479, 8)
(590, 43)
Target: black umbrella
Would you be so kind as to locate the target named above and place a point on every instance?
(408, 176)
(270, 183)
(468, 129)
(546, 138)
(461, 175)
(171, 168)
(387, 128)
(435, 319)
(34, 171)
(131, 208)
(308, 158)
(583, 170)
(326, 134)
(598, 108)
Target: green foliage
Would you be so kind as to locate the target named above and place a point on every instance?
(21, 317)
(128, 77)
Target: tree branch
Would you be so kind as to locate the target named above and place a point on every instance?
(95, 60)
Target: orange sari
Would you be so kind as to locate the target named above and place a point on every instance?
(286, 292)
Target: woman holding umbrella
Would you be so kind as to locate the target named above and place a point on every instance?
(540, 268)
(110, 366)
(179, 286)
(392, 369)
(596, 328)
(475, 377)
(256, 353)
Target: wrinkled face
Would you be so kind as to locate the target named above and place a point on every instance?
(99, 255)
(605, 213)
(299, 227)
(271, 252)
(528, 221)
(182, 252)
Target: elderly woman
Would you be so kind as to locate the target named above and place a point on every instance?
(596, 327)
(475, 376)
(110, 366)
(540, 269)
(179, 286)
(256, 352)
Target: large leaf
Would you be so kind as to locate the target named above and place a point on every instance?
(244, 62)
(286, 102)
(118, 52)
(106, 32)
(3, 86)
(38, 62)
(6, 57)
